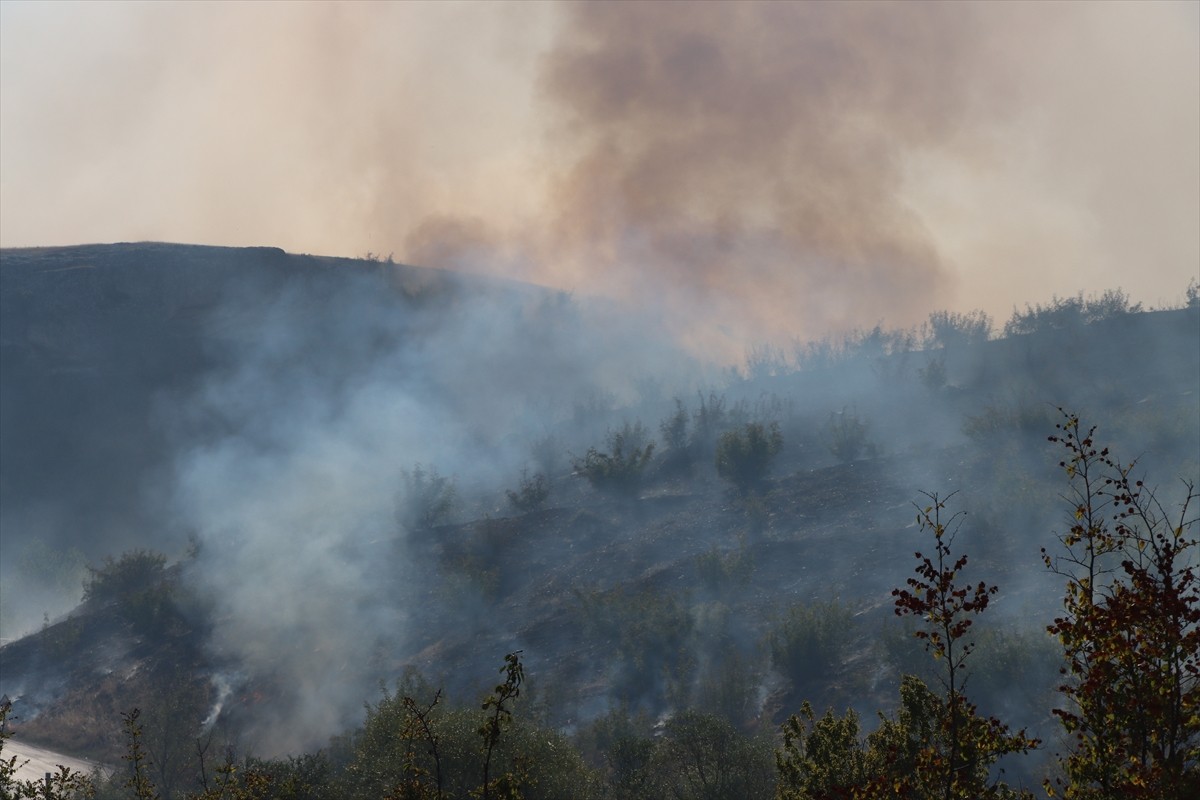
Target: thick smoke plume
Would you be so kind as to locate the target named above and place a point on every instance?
(292, 459)
(758, 169)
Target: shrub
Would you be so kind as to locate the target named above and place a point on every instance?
(745, 455)
(1131, 628)
(719, 571)
(139, 586)
(709, 419)
(414, 743)
(847, 434)
(1067, 312)
(134, 571)
(532, 493)
(618, 471)
(425, 500)
(649, 639)
(674, 430)
(933, 374)
(808, 645)
(950, 330)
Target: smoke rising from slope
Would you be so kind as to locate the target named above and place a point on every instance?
(759, 169)
(292, 461)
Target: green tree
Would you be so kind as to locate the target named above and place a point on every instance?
(424, 749)
(702, 757)
(821, 758)
(141, 588)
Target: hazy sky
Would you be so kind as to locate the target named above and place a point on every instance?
(773, 169)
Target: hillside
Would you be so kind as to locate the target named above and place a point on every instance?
(287, 430)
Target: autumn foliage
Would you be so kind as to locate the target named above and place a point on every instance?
(1130, 631)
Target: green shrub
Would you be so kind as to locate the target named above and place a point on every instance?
(619, 471)
(745, 455)
(1068, 312)
(933, 374)
(679, 447)
(531, 494)
(415, 743)
(425, 500)
(702, 756)
(810, 642)
(649, 638)
(708, 421)
(719, 571)
(139, 586)
(134, 571)
(847, 434)
(951, 330)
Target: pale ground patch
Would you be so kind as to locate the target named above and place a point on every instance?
(40, 760)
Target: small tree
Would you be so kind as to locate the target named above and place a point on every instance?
(745, 455)
(956, 763)
(1130, 631)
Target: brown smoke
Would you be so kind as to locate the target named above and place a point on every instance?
(753, 170)
(751, 153)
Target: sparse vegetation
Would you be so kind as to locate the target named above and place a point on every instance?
(679, 447)
(721, 572)
(744, 456)
(808, 645)
(846, 433)
(531, 494)
(426, 499)
(1067, 312)
(950, 330)
(139, 586)
(618, 471)
(933, 374)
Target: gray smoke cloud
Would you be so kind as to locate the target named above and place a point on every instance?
(292, 459)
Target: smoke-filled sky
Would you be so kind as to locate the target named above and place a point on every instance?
(757, 170)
